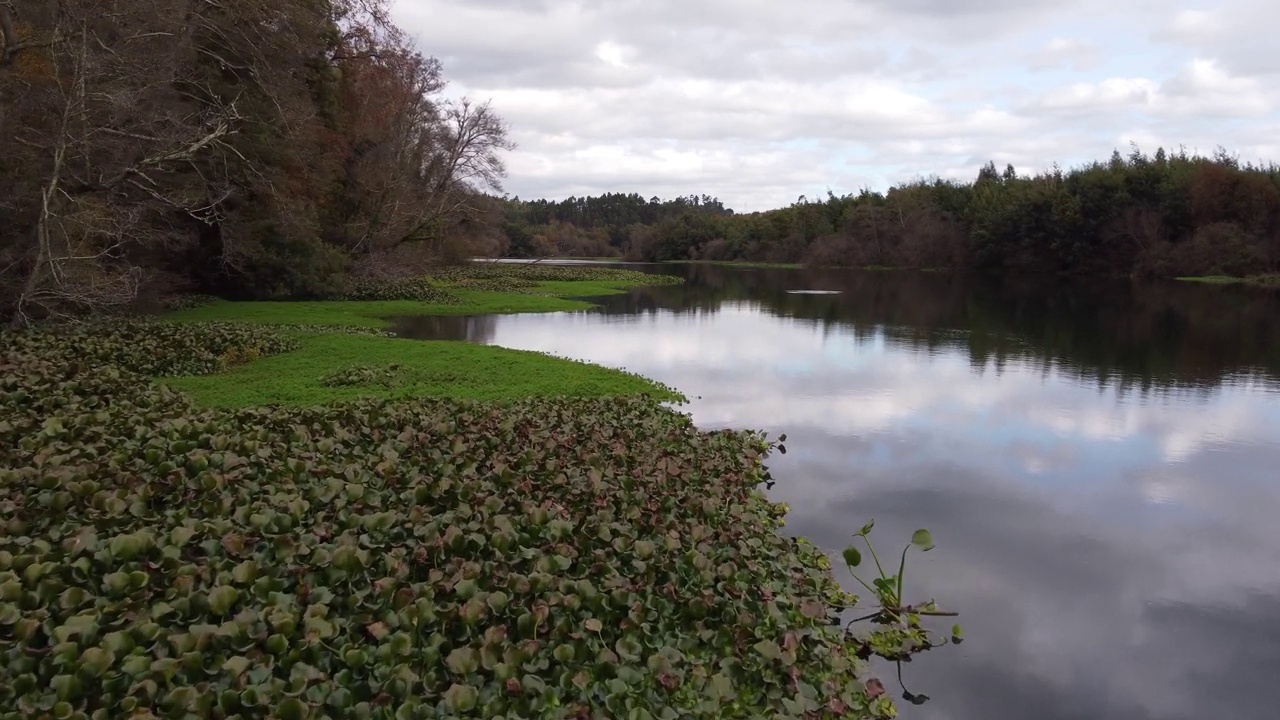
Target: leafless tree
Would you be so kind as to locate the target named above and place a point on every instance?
(116, 142)
(140, 134)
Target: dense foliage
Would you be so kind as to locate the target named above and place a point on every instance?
(251, 149)
(591, 226)
(379, 559)
(1165, 215)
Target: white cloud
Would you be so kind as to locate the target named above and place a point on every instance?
(760, 101)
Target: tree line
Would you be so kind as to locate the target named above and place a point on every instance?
(1161, 215)
(246, 148)
(597, 226)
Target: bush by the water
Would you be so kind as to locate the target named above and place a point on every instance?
(391, 559)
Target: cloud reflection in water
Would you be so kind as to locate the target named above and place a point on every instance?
(1113, 551)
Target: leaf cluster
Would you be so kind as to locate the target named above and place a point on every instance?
(364, 375)
(548, 558)
(146, 346)
(419, 288)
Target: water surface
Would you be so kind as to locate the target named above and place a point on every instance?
(1097, 465)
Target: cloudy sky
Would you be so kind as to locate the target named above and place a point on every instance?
(760, 101)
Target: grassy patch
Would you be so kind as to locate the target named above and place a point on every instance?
(1268, 281)
(481, 289)
(413, 368)
(373, 313)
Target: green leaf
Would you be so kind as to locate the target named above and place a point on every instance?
(852, 556)
(866, 529)
(245, 573)
(721, 686)
(922, 539)
(463, 661)
(768, 649)
(96, 661)
(292, 709)
(533, 684)
(221, 598)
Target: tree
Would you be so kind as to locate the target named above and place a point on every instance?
(111, 147)
(256, 148)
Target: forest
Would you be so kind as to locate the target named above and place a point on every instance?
(1144, 216)
(252, 149)
(293, 149)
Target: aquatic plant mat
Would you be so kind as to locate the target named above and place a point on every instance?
(408, 559)
(474, 289)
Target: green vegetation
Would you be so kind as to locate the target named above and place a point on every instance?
(476, 289)
(740, 263)
(399, 368)
(372, 313)
(1271, 280)
(393, 558)
(1167, 215)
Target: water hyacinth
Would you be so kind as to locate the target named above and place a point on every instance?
(551, 558)
(418, 288)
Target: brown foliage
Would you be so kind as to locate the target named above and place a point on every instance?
(253, 146)
(1216, 249)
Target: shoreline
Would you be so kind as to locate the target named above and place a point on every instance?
(1271, 281)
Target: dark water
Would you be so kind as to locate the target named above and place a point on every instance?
(1100, 467)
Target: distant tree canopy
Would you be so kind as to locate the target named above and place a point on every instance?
(594, 226)
(257, 148)
(1146, 216)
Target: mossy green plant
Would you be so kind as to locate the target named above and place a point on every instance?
(422, 369)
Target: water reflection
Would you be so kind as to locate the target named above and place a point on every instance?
(1097, 466)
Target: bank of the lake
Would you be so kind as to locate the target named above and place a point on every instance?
(478, 289)
(366, 539)
(333, 363)
(1266, 281)
(331, 367)
(750, 264)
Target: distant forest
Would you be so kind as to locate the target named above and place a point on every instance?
(1166, 215)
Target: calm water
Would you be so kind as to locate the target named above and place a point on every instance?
(1100, 467)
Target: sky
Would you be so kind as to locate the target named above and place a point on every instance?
(760, 101)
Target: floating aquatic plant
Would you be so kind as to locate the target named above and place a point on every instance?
(550, 558)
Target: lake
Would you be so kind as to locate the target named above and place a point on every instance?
(1099, 466)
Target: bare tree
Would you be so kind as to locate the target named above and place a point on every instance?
(117, 142)
(269, 140)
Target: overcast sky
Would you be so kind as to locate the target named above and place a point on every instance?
(760, 101)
